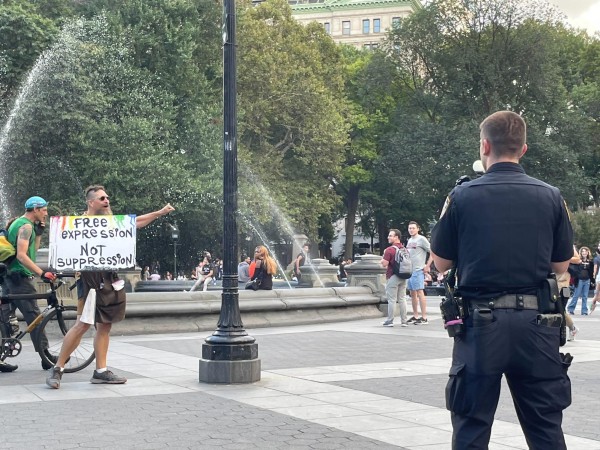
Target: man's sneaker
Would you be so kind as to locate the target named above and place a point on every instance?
(388, 323)
(54, 378)
(422, 321)
(413, 319)
(107, 377)
(403, 324)
(6, 367)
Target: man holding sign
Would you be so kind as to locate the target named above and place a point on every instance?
(110, 303)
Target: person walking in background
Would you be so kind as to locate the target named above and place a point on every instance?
(395, 287)
(418, 247)
(563, 280)
(266, 267)
(146, 274)
(596, 279)
(583, 273)
(110, 302)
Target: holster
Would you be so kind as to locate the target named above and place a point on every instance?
(551, 302)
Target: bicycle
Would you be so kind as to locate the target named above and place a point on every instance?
(54, 321)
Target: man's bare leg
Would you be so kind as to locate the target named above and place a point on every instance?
(71, 341)
(415, 304)
(101, 342)
(422, 303)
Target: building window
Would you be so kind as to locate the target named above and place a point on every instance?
(376, 25)
(346, 27)
(327, 26)
(367, 46)
(395, 22)
(366, 26)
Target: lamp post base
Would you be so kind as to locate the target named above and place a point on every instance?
(229, 364)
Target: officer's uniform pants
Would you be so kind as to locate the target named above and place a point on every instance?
(528, 355)
(17, 284)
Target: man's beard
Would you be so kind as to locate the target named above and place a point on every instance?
(103, 212)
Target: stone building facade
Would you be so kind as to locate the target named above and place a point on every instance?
(360, 23)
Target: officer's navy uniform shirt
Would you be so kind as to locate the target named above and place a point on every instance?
(502, 230)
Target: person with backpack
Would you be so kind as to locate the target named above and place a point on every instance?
(25, 234)
(395, 288)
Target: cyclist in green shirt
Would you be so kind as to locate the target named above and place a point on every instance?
(25, 234)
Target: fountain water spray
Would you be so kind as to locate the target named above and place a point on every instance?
(56, 57)
(278, 214)
(263, 237)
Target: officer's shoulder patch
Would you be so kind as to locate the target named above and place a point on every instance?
(568, 210)
(446, 205)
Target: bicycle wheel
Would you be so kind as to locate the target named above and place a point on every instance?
(55, 326)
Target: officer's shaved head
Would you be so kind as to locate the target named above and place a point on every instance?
(506, 132)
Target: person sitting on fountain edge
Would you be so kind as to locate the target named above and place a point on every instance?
(266, 267)
(110, 302)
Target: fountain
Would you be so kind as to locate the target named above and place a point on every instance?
(284, 222)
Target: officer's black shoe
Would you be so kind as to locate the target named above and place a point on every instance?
(5, 367)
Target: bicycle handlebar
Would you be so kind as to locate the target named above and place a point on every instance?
(38, 296)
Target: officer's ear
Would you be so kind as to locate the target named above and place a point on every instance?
(523, 151)
(486, 147)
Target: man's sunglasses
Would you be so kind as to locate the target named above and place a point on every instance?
(104, 197)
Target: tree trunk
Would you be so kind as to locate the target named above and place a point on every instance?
(352, 204)
(383, 232)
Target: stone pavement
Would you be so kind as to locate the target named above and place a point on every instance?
(349, 385)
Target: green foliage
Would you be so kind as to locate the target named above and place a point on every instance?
(93, 115)
(457, 62)
(586, 228)
(292, 126)
(25, 33)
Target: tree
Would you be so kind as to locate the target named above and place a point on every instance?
(24, 34)
(292, 127)
(457, 62)
(94, 116)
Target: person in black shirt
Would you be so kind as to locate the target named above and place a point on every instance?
(504, 233)
(266, 267)
(584, 274)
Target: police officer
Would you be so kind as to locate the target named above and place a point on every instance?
(505, 232)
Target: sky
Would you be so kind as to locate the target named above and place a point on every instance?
(581, 13)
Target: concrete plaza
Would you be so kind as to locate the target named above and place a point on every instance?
(328, 386)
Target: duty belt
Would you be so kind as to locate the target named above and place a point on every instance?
(508, 301)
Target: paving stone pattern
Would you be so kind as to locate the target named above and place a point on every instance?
(347, 385)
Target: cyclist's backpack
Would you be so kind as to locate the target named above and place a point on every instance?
(7, 250)
(402, 266)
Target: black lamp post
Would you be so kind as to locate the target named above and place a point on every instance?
(175, 237)
(229, 355)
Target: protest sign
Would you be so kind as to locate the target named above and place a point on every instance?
(92, 243)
